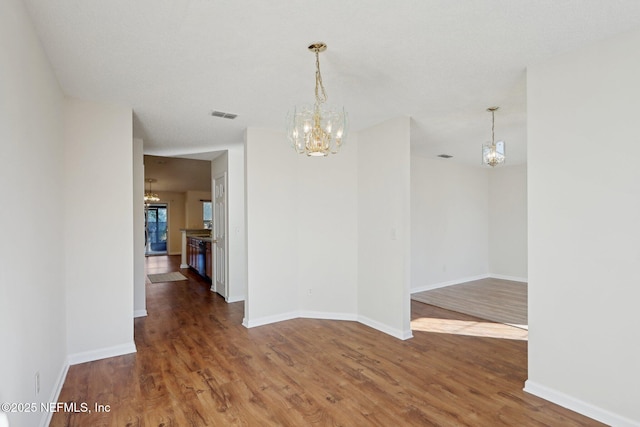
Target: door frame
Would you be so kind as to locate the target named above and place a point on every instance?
(155, 205)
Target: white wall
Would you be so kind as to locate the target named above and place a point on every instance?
(32, 283)
(301, 228)
(449, 223)
(272, 228)
(584, 233)
(312, 224)
(327, 239)
(139, 291)
(508, 222)
(193, 208)
(384, 229)
(98, 227)
(232, 162)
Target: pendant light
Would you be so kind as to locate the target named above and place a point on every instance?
(493, 152)
(150, 196)
(317, 130)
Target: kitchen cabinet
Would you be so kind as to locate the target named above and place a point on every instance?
(208, 269)
(199, 255)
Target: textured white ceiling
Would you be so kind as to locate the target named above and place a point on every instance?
(441, 62)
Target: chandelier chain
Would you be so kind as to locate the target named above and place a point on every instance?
(493, 123)
(321, 95)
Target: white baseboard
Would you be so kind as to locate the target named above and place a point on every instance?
(252, 323)
(139, 313)
(448, 283)
(184, 265)
(396, 333)
(55, 394)
(578, 405)
(328, 315)
(510, 278)
(235, 298)
(228, 300)
(103, 353)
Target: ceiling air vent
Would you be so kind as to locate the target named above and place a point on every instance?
(224, 115)
(445, 156)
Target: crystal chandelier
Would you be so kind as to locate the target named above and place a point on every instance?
(317, 130)
(149, 196)
(493, 152)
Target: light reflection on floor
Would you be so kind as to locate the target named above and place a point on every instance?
(469, 328)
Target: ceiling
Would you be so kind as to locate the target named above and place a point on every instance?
(179, 175)
(440, 62)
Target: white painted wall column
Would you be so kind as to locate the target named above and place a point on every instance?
(584, 233)
(139, 291)
(384, 227)
(272, 228)
(98, 245)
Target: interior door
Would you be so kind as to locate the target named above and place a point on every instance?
(220, 235)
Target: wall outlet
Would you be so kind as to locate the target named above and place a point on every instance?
(37, 383)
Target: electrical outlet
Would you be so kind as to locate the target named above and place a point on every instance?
(37, 383)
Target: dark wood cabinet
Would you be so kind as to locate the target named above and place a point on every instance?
(207, 261)
(199, 256)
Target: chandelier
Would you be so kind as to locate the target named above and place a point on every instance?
(493, 152)
(317, 130)
(149, 196)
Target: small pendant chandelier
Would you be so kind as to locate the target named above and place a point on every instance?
(493, 152)
(149, 196)
(317, 130)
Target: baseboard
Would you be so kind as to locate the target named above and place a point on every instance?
(55, 394)
(252, 323)
(327, 315)
(448, 283)
(103, 353)
(396, 333)
(139, 313)
(234, 299)
(578, 405)
(184, 265)
(509, 278)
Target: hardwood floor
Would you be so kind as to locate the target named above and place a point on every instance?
(498, 300)
(197, 365)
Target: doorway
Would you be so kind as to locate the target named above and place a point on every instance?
(155, 220)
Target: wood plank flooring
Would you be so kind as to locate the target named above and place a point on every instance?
(197, 366)
(498, 300)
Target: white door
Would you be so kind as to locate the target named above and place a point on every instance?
(220, 284)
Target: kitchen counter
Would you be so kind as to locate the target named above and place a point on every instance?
(203, 234)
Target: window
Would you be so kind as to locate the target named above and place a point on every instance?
(207, 214)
